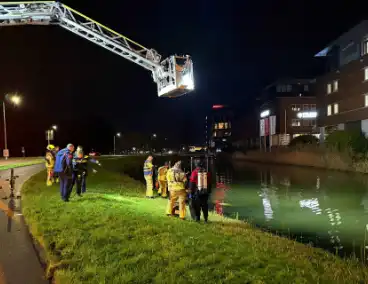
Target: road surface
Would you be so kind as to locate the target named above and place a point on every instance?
(19, 263)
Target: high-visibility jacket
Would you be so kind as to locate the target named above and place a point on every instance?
(162, 172)
(148, 168)
(176, 179)
(50, 160)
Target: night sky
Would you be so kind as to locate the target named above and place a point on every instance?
(92, 93)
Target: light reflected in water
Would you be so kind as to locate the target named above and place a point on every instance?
(326, 209)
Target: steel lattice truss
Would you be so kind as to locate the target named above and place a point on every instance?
(50, 12)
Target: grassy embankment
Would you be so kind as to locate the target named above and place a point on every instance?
(19, 162)
(113, 235)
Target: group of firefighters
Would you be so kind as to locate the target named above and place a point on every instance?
(196, 189)
(68, 167)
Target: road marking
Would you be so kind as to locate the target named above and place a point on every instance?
(7, 210)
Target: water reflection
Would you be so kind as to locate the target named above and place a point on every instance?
(326, 209)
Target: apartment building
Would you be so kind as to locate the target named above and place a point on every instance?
(342, 92)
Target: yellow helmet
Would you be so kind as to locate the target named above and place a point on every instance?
(50, 147)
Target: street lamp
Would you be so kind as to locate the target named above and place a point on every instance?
(50, 133)
(14, 99)
(116, 135)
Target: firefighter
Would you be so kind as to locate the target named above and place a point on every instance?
(64, 166)
(176, 179)
(148, 176)
(200, 189)
(50, 163)
(80, 170)
(162, 180)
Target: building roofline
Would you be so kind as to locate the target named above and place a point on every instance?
(289, 80)
(327, 48)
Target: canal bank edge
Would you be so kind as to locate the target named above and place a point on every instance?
(40, 251)
(328, 161)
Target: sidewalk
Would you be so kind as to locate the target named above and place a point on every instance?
(17, 162)
(19, 263)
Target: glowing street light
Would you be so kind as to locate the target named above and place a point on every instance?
(15, 99)
(116, 135)
(50, 133)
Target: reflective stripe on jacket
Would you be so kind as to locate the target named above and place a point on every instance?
(148, 168)
(162, 171)
(176, 179)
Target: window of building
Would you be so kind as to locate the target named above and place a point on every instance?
(366, 100)
(295, 107)
(216, 126)
(365, 46)
(226, 126)
(309, 122)
(336, 108)
(283, 88)
(365, 73)
(306, 88)
(329, 88)
(335, 86)
(305, 107)
(278, 89)
(295, 122)
(221, 125)
(313, 107)
(288, 88)
(329, 110)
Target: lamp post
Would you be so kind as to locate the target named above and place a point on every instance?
(15, 99)
(50, 133)
(116, 135)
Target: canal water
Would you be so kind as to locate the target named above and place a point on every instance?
(325, 209)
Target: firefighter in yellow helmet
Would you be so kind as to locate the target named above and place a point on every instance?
(148, 176)
(162, 180)
(176, 179)
(50, 162)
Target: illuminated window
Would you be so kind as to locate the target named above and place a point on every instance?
(226, 125)
(214, 134)
(306, 88)
(335, 86)
(366, 100)
(366, 73)
(329, 110)
(305, 107)
(295, 107)
(365, 46)
(312, 107)
(221, 125)
(295, 122)
(336, 108)
(216, 126)
(329, 88)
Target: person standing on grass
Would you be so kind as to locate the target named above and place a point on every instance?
(176, 179)
(199, 196)
(50, 163)
(162, 180)
(64, 166)
(148, 176)
(80, 170)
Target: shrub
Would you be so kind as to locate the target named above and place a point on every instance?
(343, 140)
(302, 140)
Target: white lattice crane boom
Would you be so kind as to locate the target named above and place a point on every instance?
(173, 75)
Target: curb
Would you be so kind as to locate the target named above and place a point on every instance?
(38, 248)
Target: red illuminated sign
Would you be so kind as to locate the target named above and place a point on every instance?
(217, 106)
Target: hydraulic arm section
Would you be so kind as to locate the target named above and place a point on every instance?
(173, 75)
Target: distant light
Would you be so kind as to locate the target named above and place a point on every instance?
(154, 135)
(54, 127)
(15, 99)
(118, 134)
(217, 106)
(312, 114)
(265, 113)
(133, 148)
(170, 152)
